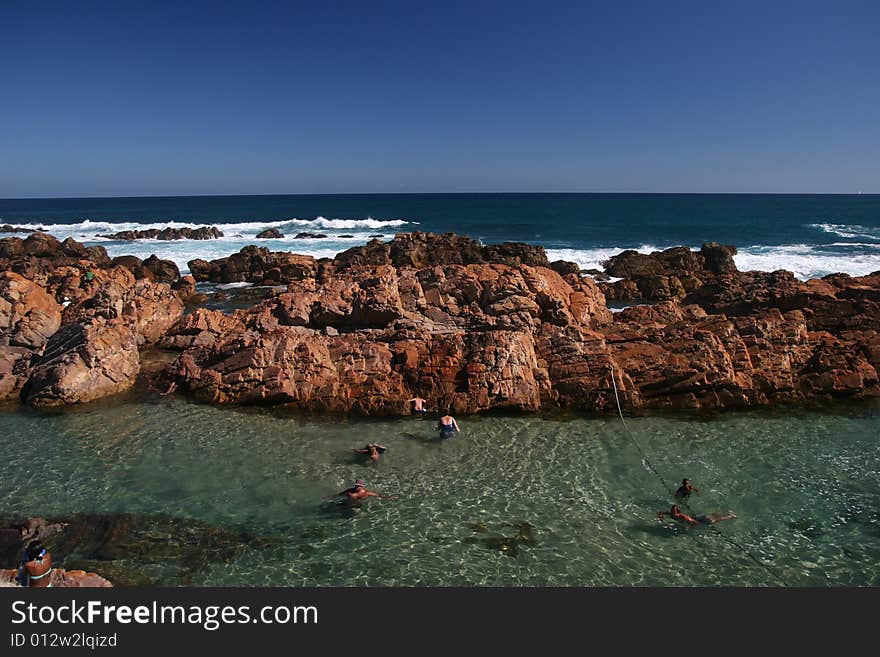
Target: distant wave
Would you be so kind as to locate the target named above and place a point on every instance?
(92, 228)
(849, 230)
(235, 236)
(804, 260)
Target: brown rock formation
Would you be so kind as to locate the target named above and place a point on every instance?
(478, 328)
(666, 275)
(201, 233)
(83, 362)
(104, 315)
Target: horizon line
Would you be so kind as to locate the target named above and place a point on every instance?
(484, 193)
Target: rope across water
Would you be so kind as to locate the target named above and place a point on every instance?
(662, 481)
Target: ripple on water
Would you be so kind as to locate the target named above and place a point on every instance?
(511, 501)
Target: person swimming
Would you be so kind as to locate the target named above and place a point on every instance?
(448, 426)
(684, 491)
(371, 451)
(418, 404)
(359, 492)
(676, 513)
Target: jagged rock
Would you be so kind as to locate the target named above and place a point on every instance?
(201, 233)
(665, 275)
(83, 362)
(29, 316)
(6, 228)
(254, 264)
(309, 236)
(270, 233)
(164, 271)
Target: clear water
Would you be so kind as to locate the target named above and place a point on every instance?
(574, 490)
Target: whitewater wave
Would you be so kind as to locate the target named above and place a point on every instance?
(93, 228)
(593, 258)
(854, 231)
(804, 260)
(341, 234)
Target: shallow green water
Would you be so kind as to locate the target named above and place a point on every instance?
(806, 488)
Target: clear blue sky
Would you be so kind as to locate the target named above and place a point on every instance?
(150, 98)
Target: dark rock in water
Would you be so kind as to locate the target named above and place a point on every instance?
(377, 235)
(135, 550)
(270, 234)
(164, 271)
(597, 275)
(309, 236)
(563, 267)
(509, 545)
(6, 228)
(429, 249)
(201, 233)
(346, 237)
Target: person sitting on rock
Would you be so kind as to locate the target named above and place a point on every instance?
(418, 404)
(359, 492)
(684, 491)
(448, 426)
(36, 566)
(371, 451)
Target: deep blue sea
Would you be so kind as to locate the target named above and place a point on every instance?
(812, 235)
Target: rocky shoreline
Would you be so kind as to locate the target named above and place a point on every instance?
(470, 327)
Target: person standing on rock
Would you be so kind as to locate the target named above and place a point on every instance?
(448, 426)
(418, 405)
(36, 567)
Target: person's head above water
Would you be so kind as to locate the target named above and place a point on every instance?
(359, 483)
(685, 482)
(35, 550)
(675, 510)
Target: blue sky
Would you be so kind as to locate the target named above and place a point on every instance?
(135, 98)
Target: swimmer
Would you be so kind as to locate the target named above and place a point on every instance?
(359, 492)
(684, 491)
(371, 451)
(676, 514)
(418, 405)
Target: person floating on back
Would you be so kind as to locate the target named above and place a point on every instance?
(418, 405)
(684, 491)
(677, 514)
(371, 451)
(448, 426)
(36, 566)
(359, 492)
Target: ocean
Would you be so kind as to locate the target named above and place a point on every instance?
(811, 235)
(553, 500)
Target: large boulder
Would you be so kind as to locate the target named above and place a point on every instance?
(83, 362)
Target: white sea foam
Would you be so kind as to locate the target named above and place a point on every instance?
(593, 258)
(849, 230)
(235, 236)
(810, 261)
(804, 260)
